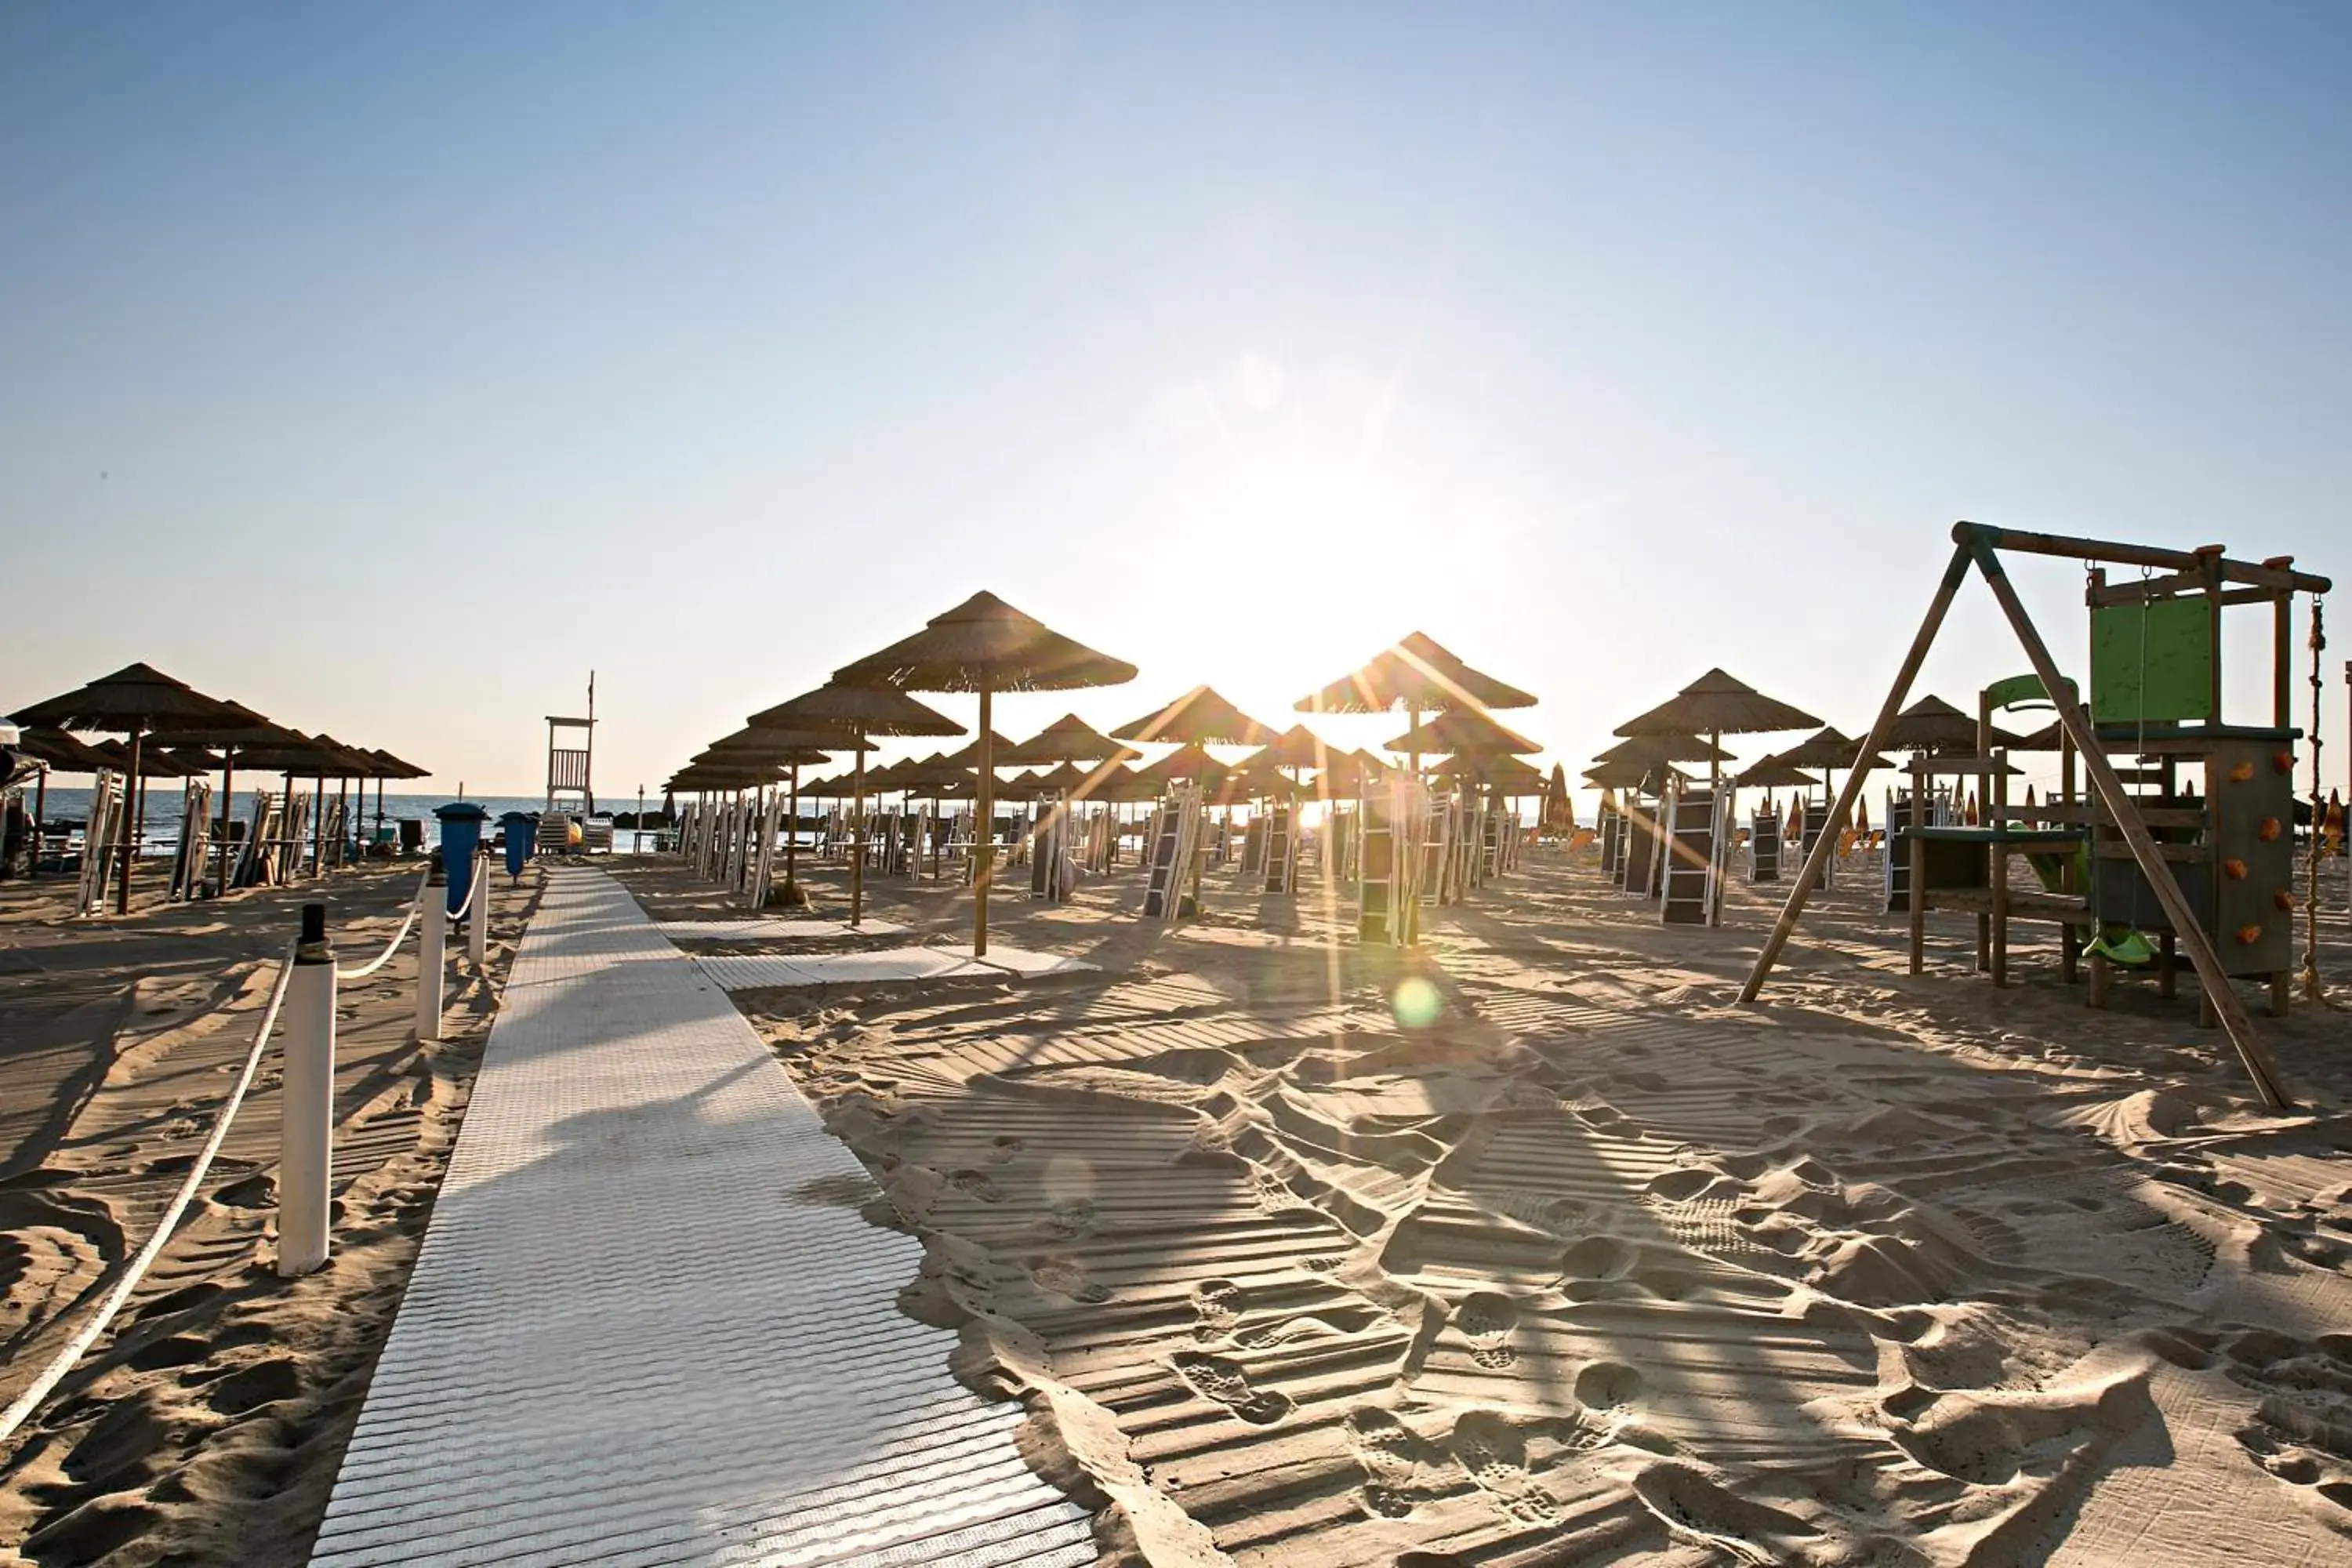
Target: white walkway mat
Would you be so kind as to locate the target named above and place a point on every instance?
(647, 1325)
(774, 930)
(758, 971)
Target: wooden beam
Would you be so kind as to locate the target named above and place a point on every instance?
(2245, 571)
(2152, 864)
(1817, 861)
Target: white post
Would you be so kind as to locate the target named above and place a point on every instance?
(478, 928)
(305, 1152)
(432, 948)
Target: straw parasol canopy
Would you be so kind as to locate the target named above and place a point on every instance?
(136, 700)
(149, 761)
(1715, 705)
(1933, 724)
(1643, 750)
(1296, 747)
(997, 747)
(1498, 770)
(1416, 674)
(61, 751)
(1069, 738)
(1772, 773)
(1828, 748)
(1198, 718)
(1626, 774)
(1718, 704)
(985, 646)
(852, 715)
(1188, 762)
(1463, 730)
(1347, 774)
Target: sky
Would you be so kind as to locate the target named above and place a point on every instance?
(389, 368)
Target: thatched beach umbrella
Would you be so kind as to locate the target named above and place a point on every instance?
(1463, 730)
(791, 750)
(1069, 738)
(1628, 774)
(1187, 762)
(985, 646)
(856, 713)
(1716, 705)
(1198, 718)
(1646, 749)
(136, 700)
(1419, 676)
(1771, 772)
(1932, 724)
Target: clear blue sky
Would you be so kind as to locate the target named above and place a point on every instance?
(387, 367)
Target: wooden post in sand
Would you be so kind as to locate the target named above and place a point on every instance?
(983, 837)
(306, 1132)
(2219, 992)
(1818, 858)
(432, 951)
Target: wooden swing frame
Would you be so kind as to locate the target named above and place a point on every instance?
(1979, 546)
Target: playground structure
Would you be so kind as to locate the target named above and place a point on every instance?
(2218, 885)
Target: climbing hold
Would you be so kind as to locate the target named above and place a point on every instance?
(2284, 899)
(2234, 870)
(2269, 831)
(2241, 772)
(2283, 760)
(2249, 934)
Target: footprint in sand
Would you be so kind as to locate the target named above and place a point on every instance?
(1216, 1309)
(1607, 1386)
(1486, 1319)
(1402, 1468)
(1066, 1277)
(1214, 1377)
(1496, 1455)
(1071, 1220)
(974, 1184)
(1004, 1150)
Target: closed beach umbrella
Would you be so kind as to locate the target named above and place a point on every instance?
(984, 646)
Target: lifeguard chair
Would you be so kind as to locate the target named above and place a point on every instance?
(571, 748)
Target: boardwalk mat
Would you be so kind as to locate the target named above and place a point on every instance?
(647, 1324)
(758, 971)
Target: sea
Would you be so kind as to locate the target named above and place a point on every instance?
(165, 801)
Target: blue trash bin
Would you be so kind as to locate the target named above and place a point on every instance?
(461, 835)
(521, 829)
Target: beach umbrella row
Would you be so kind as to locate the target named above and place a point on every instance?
(139, 703)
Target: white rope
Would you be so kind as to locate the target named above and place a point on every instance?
(398, 937)
(75, 1348)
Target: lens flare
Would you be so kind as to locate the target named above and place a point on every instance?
(1416, 1002)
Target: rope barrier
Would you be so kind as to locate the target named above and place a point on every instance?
(72, 1353)
(381, 959)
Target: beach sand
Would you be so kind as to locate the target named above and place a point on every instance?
(1528, 1246)
(208, 1426)
(1533, 1247)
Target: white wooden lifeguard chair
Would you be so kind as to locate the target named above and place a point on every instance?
(571, 748)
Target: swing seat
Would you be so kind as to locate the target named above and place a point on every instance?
(2122, 944)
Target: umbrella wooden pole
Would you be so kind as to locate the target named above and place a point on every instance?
(791, 842)
(1816, 861)
(229, 812)
(858, 836)
(41, 809)
(984, 845)
(130, 839)
(319, 824)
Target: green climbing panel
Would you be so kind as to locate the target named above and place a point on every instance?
(2152, 662)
